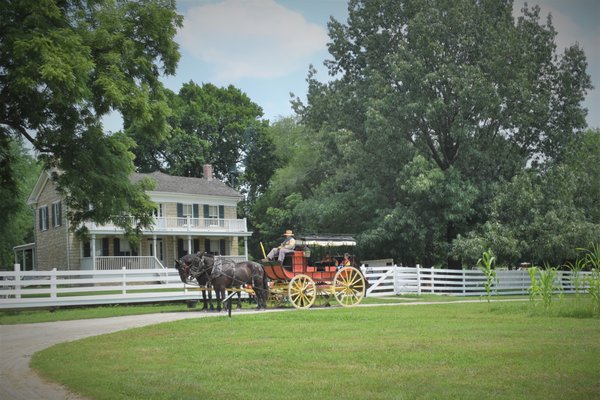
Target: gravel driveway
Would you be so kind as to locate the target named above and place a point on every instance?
(19, 342)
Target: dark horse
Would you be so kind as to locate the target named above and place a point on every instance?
(226, 274)
(190, 268)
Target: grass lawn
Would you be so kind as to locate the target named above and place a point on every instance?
(450, 351)
(86, 312)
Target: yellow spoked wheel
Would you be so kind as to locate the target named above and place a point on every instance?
(349, 286)
(302, 291)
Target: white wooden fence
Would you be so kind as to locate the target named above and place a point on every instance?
(394, 280)
(30, 289)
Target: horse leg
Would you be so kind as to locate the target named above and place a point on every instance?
(239, 299)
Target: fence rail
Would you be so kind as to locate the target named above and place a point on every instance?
(30, 289)
(394, 280)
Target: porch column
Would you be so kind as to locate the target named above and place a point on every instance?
(93, 250)
(246, 247)
(154, 246)
(189, 244)
(175, 255)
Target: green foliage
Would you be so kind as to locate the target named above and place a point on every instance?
(526, 211)
(18, 173)
(221, 125)
(441, 106)
(592, 261)
(544, 285)
(486, 264)
(66, 65)
(576, 277)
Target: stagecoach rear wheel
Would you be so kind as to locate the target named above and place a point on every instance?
(349, 287)
(302, 291)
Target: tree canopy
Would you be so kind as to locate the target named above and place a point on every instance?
(64, 65)
(219, 126)
(433, 108)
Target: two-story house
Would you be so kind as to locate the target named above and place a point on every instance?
(192, 214)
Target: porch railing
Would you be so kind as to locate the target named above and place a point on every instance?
(184, 224)
(115, 263)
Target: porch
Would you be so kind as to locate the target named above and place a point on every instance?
(174, 225)
(111, 263)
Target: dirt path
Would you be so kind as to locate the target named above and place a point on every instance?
(18, 343)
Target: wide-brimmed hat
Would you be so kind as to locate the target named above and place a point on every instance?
(288, 233)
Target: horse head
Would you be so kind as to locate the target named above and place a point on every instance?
(184, 266)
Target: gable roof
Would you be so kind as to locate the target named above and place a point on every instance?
(164, 183)
(182, 184)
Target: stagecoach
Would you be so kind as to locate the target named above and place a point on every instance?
(304, 276)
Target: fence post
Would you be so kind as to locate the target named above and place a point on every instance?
(396, 278)
(418, 279)
(124, 276)
(464, 282)
(432, 283)
(53, 284)
(17, 281)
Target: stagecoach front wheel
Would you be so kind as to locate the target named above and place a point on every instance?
(349, 286)
(302, 291)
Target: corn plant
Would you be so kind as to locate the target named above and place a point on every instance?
(548, 285)
(543, 285)
(534, 287)
(592, 260)
(576, 277)
(486, 264)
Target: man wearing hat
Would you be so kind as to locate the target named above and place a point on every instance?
(287, 246)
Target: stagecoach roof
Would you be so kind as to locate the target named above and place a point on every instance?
(326, 240)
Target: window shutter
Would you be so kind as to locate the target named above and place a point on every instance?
(117, 245)
(87, 249)
(180, 250)
(47, 218)
(207, 245)
(206, 211)
(179, 210)
(105, 243)
(221, 212)
(196, 245)
(40, 218)
(59, 219)
(195, 213)
(222, 248)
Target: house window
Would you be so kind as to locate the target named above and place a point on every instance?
(43, 218)
(214, 215)
(185, 212)
(56, 214)
(158, 211)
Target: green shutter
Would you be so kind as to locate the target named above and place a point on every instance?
(221, 212)
(195, 213)
(179, 210)
(206, 211)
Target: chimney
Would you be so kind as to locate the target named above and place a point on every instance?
(208, 172)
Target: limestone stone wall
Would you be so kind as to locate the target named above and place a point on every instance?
(52, 243)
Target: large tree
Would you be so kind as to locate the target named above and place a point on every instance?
(209, 124)
(16, 222)
(448, 99)
(64, 66)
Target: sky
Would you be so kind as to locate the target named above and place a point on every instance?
(265, 47)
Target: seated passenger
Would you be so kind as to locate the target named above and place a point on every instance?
(346, 261)
(328, 260)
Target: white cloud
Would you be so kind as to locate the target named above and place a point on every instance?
(250, 38)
